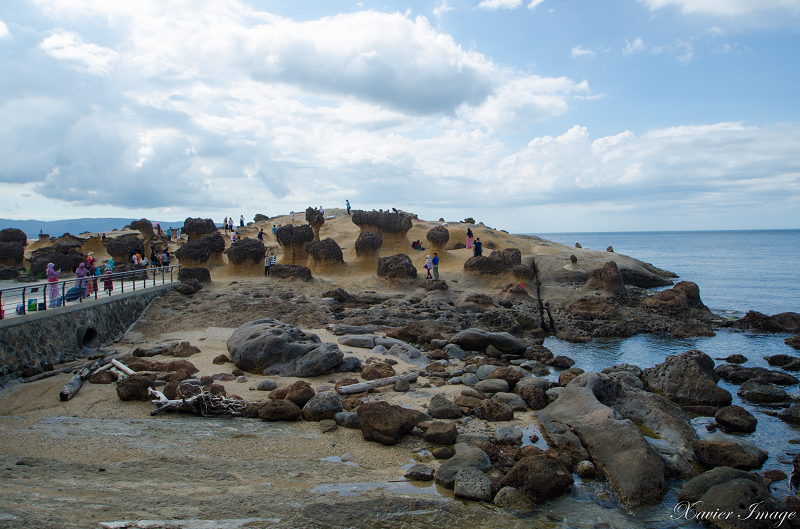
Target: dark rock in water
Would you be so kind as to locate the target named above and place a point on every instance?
(780, 360)
(791, 414)
(691, 329)
(190, 286)
(726, 454)
(419, 472)
(247, 252)
(692, 292)
(266, 343)
(396, 267)
(735, 358)
(384, 422)
(794, 342)
(736, 374)
(201, 274)
(279, 410)
(694, 489)
(471, 456)
(607, 280)
(783, 322)
(762, 392)
(642, 279)
(290, 272)
(736, 419)
(560, 362)
(540, 477)
(196, 228)
(687, 379)
(135, 387)
(472, 484)
(479, 340)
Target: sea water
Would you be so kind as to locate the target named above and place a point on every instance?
(736, 271)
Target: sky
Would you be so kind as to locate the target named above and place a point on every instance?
(532, 116)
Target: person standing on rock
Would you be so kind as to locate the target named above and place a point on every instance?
(435, 264)
(478, 250)
(267, 264)
(428, 265)
(292, 214)
(261, 235)
(347, 202)
(469, 238)
(52, 277)
(241, 221)
(275, 232)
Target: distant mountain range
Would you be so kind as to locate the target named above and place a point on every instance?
(57, 228)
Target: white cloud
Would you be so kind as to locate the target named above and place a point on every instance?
(4, 33)
(441, 8)
(633, 47)
(683, 50)
(69, 46)
(725, 7)
(499, 4)
(534, 3)
(581, 52)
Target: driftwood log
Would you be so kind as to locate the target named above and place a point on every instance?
(73, 366)
(204, 404)
(379, 383)
(153, 351)
(75, 383)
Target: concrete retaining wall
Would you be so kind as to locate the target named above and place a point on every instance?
(48, 338)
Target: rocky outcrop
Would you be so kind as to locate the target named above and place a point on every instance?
(324, 255)
(198, 228)
(783, 322)
(396, 267)
(438, 236)
(201, 274)
(687, 379)
(123, 247)
(293, 240)
(145, 227)
(392, 227)
(385, 423)
(498, 262)
(246, 257)
(11, 254)
(315, 219)
(590, 309)
(480, 340)
(281, 271)
(202, 252)
(595, 418)
(540, 476)
(368, 245)
(607, 280)
(14, 235)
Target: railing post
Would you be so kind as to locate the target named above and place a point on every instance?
(24, 305)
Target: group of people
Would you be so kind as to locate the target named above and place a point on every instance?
(269, 261)
(432, 265)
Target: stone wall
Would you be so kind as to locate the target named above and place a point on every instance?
(50, 337)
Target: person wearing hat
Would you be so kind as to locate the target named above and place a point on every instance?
(428, 265)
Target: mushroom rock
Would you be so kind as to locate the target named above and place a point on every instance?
(145, 227)
(610, 249)
(293, 240)
(392, 227)
(438, 237)
(63, 262)
(607, 279)
(396, 267)
(123, 247)
(315, 219)
(368, 246)
(246, 257)
(207, 250)
(11, 254)
(324, 255)
(498, 262)
(14, 235)
(196, 228)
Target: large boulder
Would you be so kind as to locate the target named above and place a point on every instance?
(438, 236)
(201, 274)
(195, 229)
(263, 344)
(368, 245)
(282, 271)
(324, 255)
(207, 250)
(595, 417)
(607, 280)
(123, 247)
(783, 322)
(11, 254)
(498, 262)
(293, 240)
(396, 267)
(315, 219)
(737, 374)
(63, 262)
(385, 423)
(540, 477)
(469, 457)
(479, 340)
(687, 379)
(14, 235)
(392, 227)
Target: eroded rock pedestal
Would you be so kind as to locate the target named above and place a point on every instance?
(392, 227)
(293, 240)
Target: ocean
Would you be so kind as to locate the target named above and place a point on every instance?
(736, 271)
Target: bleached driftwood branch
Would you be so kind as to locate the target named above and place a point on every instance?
(371, 384)
(204, 404)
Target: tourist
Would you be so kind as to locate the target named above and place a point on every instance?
(347, 203)
(158, 226)
(435, 263)
(90, 263)
(165, 258)
(225, 224)
(153, 259)
(267, 264)
(469, 238)
(52, 277)
(80, 274)
(108, 281)
(169, 233)
(110, 264)
(261, 235)
(241, 221)
(292, 215)
(321, 211)
(478, 250)
(428, 265)
(275, 232)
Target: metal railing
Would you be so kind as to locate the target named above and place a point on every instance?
(40, 296)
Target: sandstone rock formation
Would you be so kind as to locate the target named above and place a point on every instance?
(246, 257)
(199, 273)
(498, 262)
(396, 267)
(324, 255)
(438, 236)
(392, 227)
(14, 235)
(123, 247)
(315, 219)
(197, 228)
(290, 272)
(607, 280)
(687, 379)
(11, 254)
(293, 240)
(368, 245)
(202, 252)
